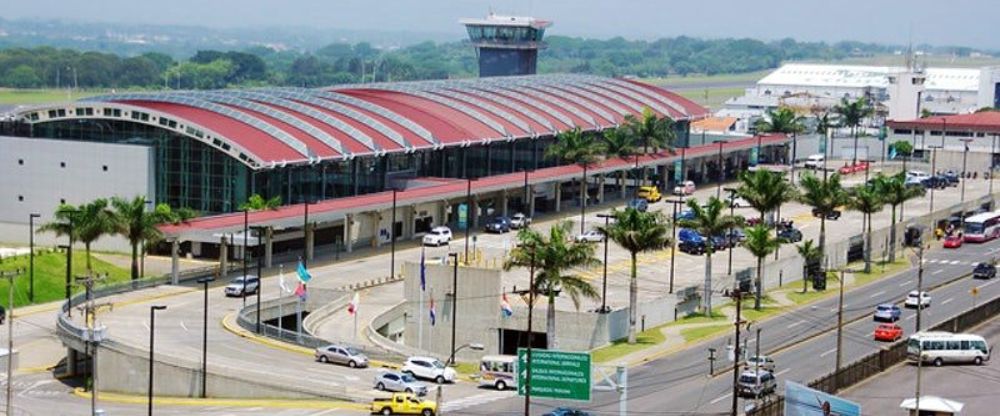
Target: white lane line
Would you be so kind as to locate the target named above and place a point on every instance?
(954, 262)
(782, 372)
(911, 317)
(145, 325)
(990, 283)
(831, 351)
(938, 272)
(720, 398)
(947, 300)
(184, 326)
(906, 283)
(877, 294)
(795, 324)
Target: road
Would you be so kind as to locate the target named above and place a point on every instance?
(679, 382)
(974, 386)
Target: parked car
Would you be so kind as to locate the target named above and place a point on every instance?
(814, 161)
(519, 220)
(914, 298)
(888, 332)
(685, 215)
(917, 174)
(429, 368)
(887, 312)
(399, 382)
(737, 201)
(237, 287)
(912, 181)
(590, 236)
(952, 241)
(832, 215)
(756, 383)
(689, 241)
(790, 234)
(735, 236)
(340, 354)
(952, 177)
(498, 225)
(685, 188)
(638, 204)
(403, 404)
(438, 236)
(566, 411)
(763, 362)
(934, 182)
(984, 271)
(649, 193)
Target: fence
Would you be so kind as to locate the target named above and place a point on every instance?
(881, 360)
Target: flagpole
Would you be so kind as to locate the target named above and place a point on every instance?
(298, 315)
(420, 314)
(503, 316)
(281, 293)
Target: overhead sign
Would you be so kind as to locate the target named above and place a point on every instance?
(804, 401)
(463, 216)
(555, 374)
(678, 171)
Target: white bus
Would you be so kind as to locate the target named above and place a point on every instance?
(498, 371)
(982, 227)
(945, 347)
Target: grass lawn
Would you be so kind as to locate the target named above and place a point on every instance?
(702, 332)
(712, 97)
(621, 347)
(879, 270)
(50, 275)
(677, 80)
(11, 96)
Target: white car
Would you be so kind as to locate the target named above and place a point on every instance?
(591, 236)
(738, 202)
(685, 188)
(814, 161)
(429, 368)
(237, 287)
(914, 298)
(437, 236)
(519, 220)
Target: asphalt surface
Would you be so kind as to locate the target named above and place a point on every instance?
(679, 384)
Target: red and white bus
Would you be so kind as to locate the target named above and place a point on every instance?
(982, 227)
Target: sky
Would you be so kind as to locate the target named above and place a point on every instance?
(955, 22)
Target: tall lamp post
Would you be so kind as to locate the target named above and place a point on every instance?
(840, 326)
(732, 211)
(305, 236)
(152, 330)
(392, 237)
(204, 336)
(258, 231)
(673, 239)
(10, 336)
(933, 172)
(604, 281)
(31, 255)
(965, 158)
(454, 305)
(531, 307)
(243, 253)
(993, 152)
(468, 214)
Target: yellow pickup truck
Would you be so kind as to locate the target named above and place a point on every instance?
(403, 404)
(649, 193)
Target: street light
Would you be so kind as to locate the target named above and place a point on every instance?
(965, 157)
(454, 305)
(732, 211)
(152, 330)
(246, 233)
(31, 255)
(673, 239)
(933, 172)
(204, 335)
(258, 231)
(840, 325)
(604, 282)
(305, 235)
(392, 237)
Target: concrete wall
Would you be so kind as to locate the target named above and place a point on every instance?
(37, 175)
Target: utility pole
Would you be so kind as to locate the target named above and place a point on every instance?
(10, 335)
(673, 239)
(738, 298)
(531, 304)
(920, 283)
(840, 330)
(89, 310)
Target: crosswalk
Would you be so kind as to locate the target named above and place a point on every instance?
(950, 262)
(474, 400)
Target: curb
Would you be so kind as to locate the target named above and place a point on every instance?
(186, 401)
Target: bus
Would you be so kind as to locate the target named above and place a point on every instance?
(498, 371)
(982, 227)
(938, 347)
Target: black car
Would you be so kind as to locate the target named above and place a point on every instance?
(498, 225)
(790, 234)
(832, 215)
(984, 271)
(952, 177)
(934, 182)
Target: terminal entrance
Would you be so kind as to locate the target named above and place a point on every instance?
(511, 340)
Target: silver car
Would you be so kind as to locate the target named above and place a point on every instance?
(341, 355)
(399, 382)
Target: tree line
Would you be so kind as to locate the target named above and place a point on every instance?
(361, 62)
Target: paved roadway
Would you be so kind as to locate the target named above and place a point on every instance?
(974, 386)
(678, 384)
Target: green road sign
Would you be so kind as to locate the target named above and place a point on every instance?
(555, 374)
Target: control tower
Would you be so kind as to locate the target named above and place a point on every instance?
(506, 45)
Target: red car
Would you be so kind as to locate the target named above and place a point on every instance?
(953, 241)
(888, 332)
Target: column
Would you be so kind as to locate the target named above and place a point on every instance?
(71, 362)
(503, 202)
(531, 204)
(409, 228)
(268, 246)
(622, 178)
(558, 196)
(309, 237)
(600, 188)
(174, 261)
(474, 212)
(376, 222)
(442, 217)
(223, 257)
(348, 239)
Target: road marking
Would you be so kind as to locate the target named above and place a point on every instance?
(947, 300)
(990, 283)
(954, 262)
(720, 398)
(782, 372)
(938, 272)
(184, 326)
(145, 325)
(911, 317)
(906, 283)
(831, 351)
(796, 324)
(877, 294)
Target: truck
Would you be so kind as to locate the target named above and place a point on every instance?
(403, 404)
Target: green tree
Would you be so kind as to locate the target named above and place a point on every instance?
(903, 148)
(760, 242)
(22, 76)
(636, 232)
(852, 113)
(765, 191)
(782, 120)
(866, 199)
(811, 254)
(709, 221)
(895, 193)
(136, 224)
(618, 142)
(575, 146)
(554, 257)
(93, 221)
(652, 131)
(823, 123)
(256, 202)
(824, 196)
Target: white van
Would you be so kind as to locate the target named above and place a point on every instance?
(498, 371)
(938, 347)
(815, 161)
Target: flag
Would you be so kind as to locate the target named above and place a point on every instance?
(892, 152)
(423, 272)
(352, 308)
(433, 311)
(304, 275)
(300, 291)
(282, 284)
(505, 310)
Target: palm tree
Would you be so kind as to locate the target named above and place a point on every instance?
(851, 114)
(554, 257)
(760, 242)
(95, 220)
(867, 200)
(823, 123)
(811, 254)
(709, 221)
(66, 218)
(904, 149)
(895, 193)
(765, 191)
(136, 224)
(824, 196)
(782, 120)
(256, 202)
(636, 232)
(575, 146)
(652, 131)
(618, 142)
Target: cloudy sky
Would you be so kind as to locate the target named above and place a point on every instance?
(954, 22)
